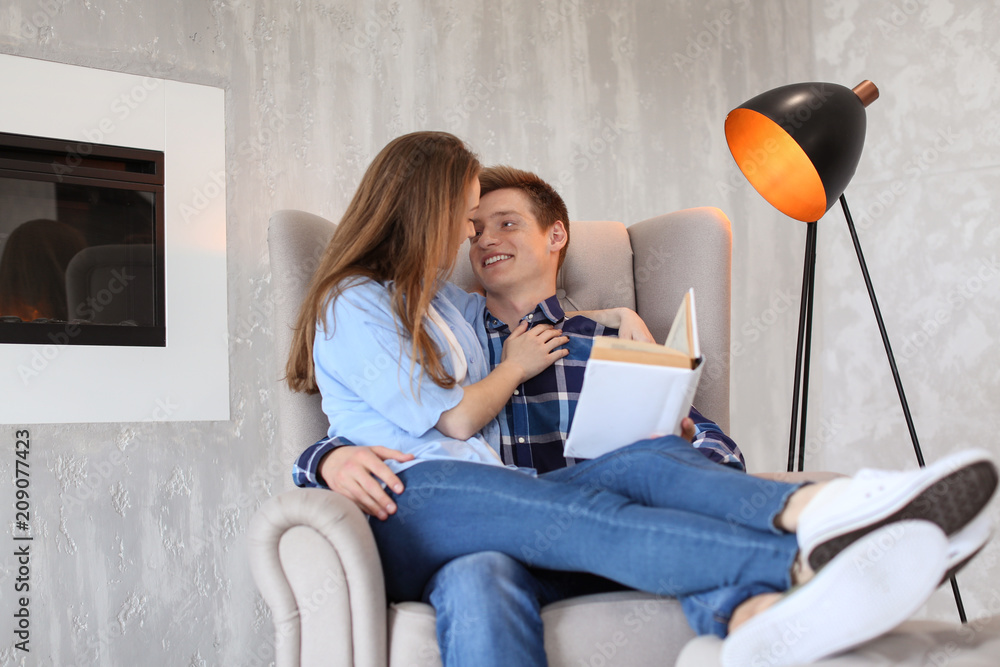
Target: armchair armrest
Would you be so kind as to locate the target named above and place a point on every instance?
(315, 562)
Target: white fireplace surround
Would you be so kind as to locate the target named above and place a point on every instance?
(188, 380)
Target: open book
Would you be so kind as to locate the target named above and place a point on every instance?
(634, 390)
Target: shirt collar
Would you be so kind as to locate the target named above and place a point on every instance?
(549, 311)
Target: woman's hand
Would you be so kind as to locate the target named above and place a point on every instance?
(526, 353)
(534, 349)
(351, 472)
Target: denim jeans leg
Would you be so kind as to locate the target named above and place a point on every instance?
(709, 612)
(454, 508)
(663, 463)
(488, 612)
(669, 472)
(489, 606)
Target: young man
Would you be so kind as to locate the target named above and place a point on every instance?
(488, 604)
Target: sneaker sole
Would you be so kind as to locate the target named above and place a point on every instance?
(874, 585)
(950, 503)
(957, 567)
(966, 544)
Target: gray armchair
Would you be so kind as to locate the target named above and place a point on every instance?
(313, 556)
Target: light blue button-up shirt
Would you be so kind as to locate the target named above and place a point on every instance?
(373, 393)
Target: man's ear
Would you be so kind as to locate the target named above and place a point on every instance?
(557, 236)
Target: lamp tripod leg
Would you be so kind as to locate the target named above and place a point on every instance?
(800, 389)
(807, 352)
(895, 370)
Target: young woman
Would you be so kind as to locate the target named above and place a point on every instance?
(386, 341)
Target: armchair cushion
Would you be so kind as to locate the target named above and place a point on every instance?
(624, 628)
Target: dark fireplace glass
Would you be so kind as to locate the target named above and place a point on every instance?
(81, 243)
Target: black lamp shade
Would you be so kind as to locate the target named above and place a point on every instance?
(799, 145)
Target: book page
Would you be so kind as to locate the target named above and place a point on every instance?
(683, 335)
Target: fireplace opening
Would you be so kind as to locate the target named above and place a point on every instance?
(81, 243)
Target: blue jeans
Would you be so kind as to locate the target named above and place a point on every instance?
(656, 516)
(489, 608)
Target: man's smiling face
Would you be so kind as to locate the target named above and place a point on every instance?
(509, 249)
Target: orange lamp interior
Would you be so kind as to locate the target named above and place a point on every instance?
(775, 165)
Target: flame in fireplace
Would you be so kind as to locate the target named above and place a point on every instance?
(33, 269)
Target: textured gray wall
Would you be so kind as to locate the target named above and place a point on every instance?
(140, 556)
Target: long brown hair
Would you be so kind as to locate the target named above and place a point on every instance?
(400, 226)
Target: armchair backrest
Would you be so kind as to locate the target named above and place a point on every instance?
(647, 267)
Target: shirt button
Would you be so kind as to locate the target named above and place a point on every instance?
(531, 316)
(517, 393)
(520, 439)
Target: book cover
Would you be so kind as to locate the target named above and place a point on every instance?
(634, 390)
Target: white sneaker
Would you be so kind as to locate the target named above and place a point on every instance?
(872, 586)
(949, 493)
(966, 543)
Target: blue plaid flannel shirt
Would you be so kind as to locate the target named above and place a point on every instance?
(535, 421)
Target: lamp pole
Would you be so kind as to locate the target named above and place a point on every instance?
(803, 349)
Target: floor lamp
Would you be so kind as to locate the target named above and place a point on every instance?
(799, 146)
